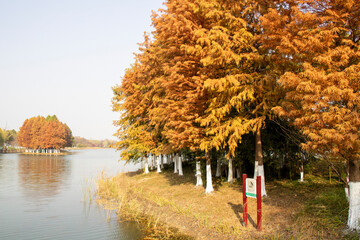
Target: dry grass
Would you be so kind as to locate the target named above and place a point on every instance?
(171, 207)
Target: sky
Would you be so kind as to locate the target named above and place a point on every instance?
(63, 56)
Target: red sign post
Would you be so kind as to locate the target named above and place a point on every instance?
(245, 218)
(258, 198)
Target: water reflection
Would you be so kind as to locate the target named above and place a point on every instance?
(41, 197)
(42, 177)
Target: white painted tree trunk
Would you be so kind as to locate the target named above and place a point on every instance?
(262, 174)
(153, 162)
(230, 175)
(301, 176)
(256, 170)
(347, 193)
(150, 162)
(354, 206)
(199, 181)
(146, 165)
(175, 163)
(158, 164)
(259, 161)
(218, 168)
(162, 161)
(347, 188)
(180, 165)
(209, 186)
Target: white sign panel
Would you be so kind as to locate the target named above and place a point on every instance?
(250, 187)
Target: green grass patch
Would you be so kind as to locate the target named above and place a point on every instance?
(329, 208)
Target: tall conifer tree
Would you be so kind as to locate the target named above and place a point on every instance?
(321, 38)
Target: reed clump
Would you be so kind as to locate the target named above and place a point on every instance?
(117, 194)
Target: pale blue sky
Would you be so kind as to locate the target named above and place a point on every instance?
(62, 57)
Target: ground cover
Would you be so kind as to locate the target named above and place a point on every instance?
(169, 206)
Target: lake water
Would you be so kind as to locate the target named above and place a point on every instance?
(42, 197)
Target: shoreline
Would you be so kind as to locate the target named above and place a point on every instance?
(46, 154)
(86, 148)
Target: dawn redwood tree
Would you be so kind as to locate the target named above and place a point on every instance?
(321, 38)
(199, 41)
(59, 135)
(202, 54)
(68, 136)
(133, 100)
(24, 134)
(38, 123)
(241, 81)
(44, 133)
(180, 98)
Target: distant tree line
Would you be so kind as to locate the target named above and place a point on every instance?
(40, 133)
(83, 142)
(8, 139)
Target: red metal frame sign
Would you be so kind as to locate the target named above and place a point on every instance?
(258, 198)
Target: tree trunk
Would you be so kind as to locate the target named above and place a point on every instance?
(354, 195)
(146, 165)
(302, 171)
(218, 168)
(260, 161)
(209, 186)
(198, 174)
(175, 163)
(256, 168)
(237, 173)
(171, 158)
(153, 162)
(230, 175)
(158, 164)
(162, 161)
(347, 181)
(180, 165)
(150, 160)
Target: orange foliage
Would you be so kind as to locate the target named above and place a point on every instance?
(323, 92)
(40, 133)
(213, 70)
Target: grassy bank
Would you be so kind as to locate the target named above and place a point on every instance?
(169, 206)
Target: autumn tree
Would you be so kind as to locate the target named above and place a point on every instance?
(242, 79)
(162, 95)
(24, 137)
(37, 124)
(321, 38)
(182, 97)
(208, 48)
(68, 136)
(132, 99)
(44, 133)
(200, 84)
